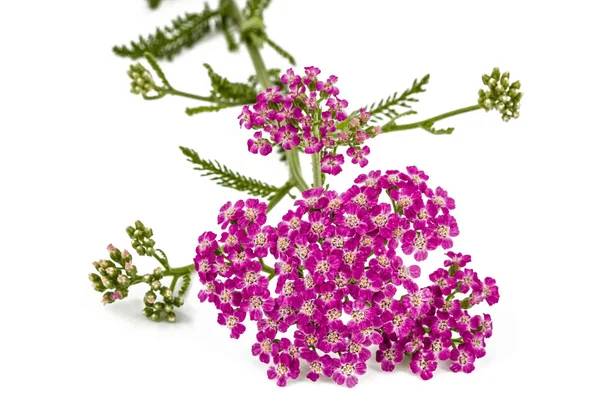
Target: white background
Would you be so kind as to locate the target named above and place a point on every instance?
(81, 158)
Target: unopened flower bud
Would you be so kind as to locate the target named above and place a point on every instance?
(155, 317)
(123, 280)
(178, 301)
(465, 303)
(149, 298)
(148, 311)
(171, 317)
(108, 282)
(496, 73)
(130, 230)
(156, 285)
(99, 287)
(112, 272)
(158, 273)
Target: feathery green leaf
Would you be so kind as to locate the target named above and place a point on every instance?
(157, 69)
(224, 90)
(232, 43)
(169, 41)
(280, 50)
(185, 285)
(445, 131)
(387, 108)
(225, 177)
(204, 109)
(274, 77)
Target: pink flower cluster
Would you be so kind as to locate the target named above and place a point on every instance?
(308, 114)
(341, 285)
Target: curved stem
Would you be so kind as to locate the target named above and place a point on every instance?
(295, 170)
(187, 269)
(392, 126)
(262, 74)
(175, 92)
(174, 282)
(280, 194)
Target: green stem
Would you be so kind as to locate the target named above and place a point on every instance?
(266, 268)
(392, 126)
(175, 92)
(316, 169)
(187, 269)
(162, 259)
(251, 40)
(280, 194)
(174, 282)
(296, 170)
(451, 295)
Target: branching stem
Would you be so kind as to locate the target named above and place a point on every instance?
(392, 126)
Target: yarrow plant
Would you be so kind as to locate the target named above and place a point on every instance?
(341, 277)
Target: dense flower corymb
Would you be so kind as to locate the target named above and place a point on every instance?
(341, 284)
(308, 113)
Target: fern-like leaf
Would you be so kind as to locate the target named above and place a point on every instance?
(234, 92)
(169, 41)
(186, 280)
(225, 177)
(232, 43)
(157, 69)
(445, 131)
(280, 50)
(274, 77)
(205, 109)
(387, 108)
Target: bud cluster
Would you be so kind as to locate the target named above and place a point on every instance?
(114, 276)
(155, 309)
(141, 239)
(141, 79)
(501, 94)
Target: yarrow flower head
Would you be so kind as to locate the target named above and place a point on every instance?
(341, 284)
(307, 113)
